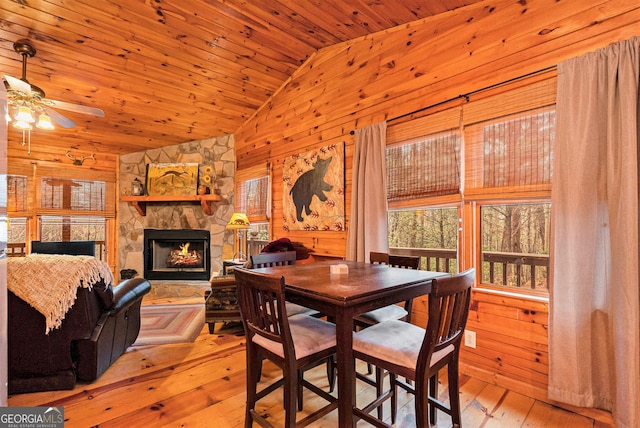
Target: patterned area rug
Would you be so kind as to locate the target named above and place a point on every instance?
(162, 324)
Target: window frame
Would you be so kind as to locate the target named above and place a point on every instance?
(476, 219)
(35, 172)
(522, 94)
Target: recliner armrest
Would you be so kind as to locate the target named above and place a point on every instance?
(128, 292)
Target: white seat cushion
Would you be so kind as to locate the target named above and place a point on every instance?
(397, 342)
(387, 313)
(293, 309)
(309, 334)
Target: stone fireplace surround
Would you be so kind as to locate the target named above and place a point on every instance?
(218, 152)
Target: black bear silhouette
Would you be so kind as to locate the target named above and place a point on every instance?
(309, 184)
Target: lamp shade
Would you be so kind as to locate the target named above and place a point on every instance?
(24, 115)
(238, 221)
(24, 126)
(44, 122)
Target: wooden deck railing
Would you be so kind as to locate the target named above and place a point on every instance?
(499, 268)
(515, 269)
(256, 245)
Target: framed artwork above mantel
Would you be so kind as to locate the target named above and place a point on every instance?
(172, 179)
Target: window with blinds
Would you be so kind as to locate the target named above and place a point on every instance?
(428, 166)
(509, 137)
(72, 194)
(253, 193)
(517, 152)
(494, 150)
(17, 194)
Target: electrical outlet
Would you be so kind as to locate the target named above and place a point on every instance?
(470, 339)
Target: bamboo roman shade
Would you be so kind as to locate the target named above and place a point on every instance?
(50, 190)
(504, 135)
(509, 139)
(424, 167)
(253, 190)
(17, 194)
(69, 194)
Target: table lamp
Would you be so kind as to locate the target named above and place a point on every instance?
(239, 223)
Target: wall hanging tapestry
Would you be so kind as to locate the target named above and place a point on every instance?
(313, 190)
(172, 179)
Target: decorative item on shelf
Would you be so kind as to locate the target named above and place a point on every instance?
(137, 188)
(239, 223)
(207, 178)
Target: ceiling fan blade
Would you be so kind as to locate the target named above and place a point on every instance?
(77, 108)
(59, 119)
(18, 85)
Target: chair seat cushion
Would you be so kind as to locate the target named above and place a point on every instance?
(387, 313)
(309, 334)
(397, 342)
(293, 309)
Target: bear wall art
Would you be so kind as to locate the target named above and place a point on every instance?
(313, 190)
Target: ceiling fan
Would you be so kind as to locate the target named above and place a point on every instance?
(27, 103)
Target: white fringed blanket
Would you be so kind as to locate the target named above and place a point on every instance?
(49, 283)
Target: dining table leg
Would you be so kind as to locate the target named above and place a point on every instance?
(346, 368)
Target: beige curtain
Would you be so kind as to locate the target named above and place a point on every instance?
(368, 219)
(594, 340)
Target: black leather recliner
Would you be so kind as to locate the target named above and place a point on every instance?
(99, 327)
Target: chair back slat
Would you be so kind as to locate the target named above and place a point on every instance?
(282, 258)
(262, 307)
(378, 258)
(407, 262)
(449, 301)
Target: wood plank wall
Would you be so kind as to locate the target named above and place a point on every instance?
(103, 167)
(402, 70)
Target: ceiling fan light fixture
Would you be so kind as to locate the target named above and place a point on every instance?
(23, 115)
(44, 122)
(23, 126)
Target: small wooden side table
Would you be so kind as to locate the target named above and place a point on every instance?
(221, 301)
(229, 265)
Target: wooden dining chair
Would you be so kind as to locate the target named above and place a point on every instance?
(294, 343)
(416, 353)
(281, 258)
(390, 312)
(377, 258)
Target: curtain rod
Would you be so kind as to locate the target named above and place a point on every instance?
(467, 95)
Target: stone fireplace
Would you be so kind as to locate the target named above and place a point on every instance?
(177, 254)
(179, 215)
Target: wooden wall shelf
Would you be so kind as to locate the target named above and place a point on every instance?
(140, 202)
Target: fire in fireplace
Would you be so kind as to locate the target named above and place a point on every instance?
(177, 254)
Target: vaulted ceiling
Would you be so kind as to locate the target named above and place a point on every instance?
(169, 71)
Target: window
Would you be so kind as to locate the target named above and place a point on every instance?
(254, 199)
(515, 157)
(79, 228)
(17, 193)
(77, 195)
(50, 203)
(475, 179)
(431, 233)
(515, 245)
(423, 172)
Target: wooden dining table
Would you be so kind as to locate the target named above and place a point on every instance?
(342, 296)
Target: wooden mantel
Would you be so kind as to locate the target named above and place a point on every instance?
(140, 202)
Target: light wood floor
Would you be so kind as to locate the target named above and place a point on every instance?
(201, 384)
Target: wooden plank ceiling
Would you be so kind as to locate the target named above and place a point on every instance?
(170, 71)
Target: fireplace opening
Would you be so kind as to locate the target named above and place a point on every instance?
(177, 254)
